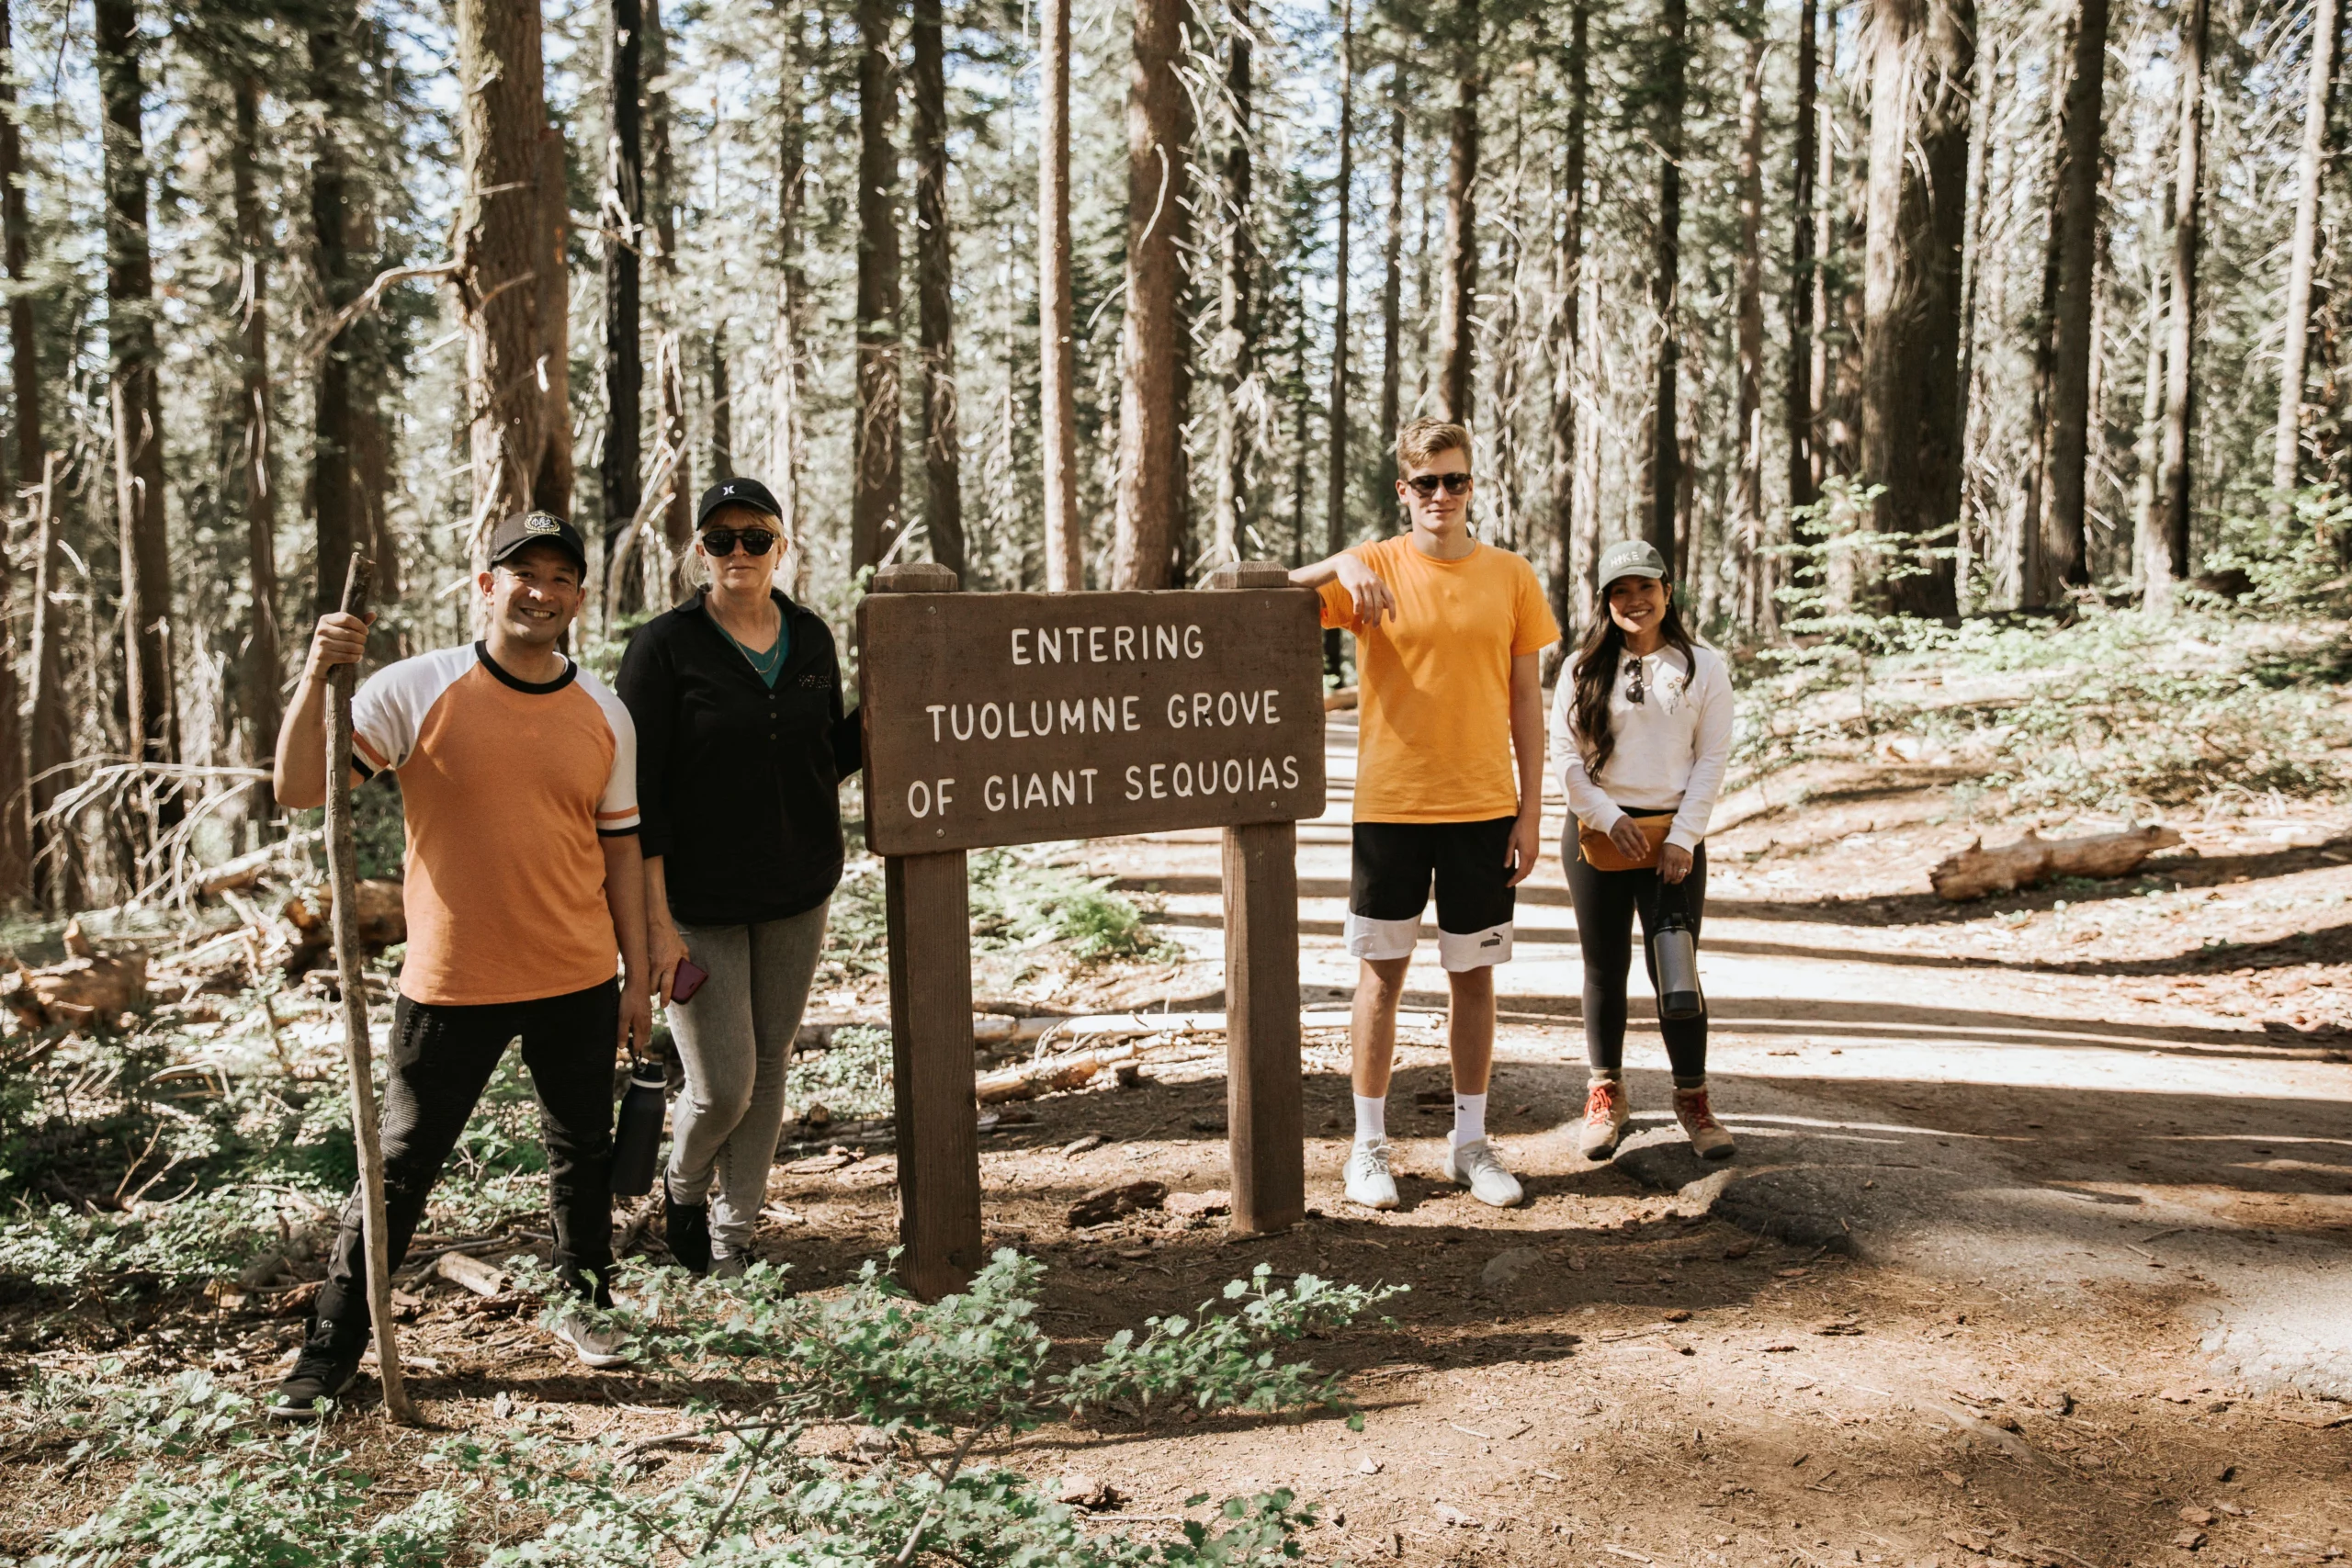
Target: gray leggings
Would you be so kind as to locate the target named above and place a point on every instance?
(734, 1042)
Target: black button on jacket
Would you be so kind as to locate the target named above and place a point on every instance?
(737, 783)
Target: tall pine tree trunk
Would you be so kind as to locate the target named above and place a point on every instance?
(334, 509)
(722, 412)
(2295, 327)
(2070, 285)
(669, 349)
(1392, 294)
(785, 442)
(1805, 264)
(500, 238)
(551, 488)
(942, 507)
(1150, 433)
(1571, 573)
(1056, 344)
(1922, 57)
(623, 222)
(1237, 336)
(1747, 503)
(1458, 297)
(874, 495)
(137, 403)
(27, 758)
(263, 668)
(2172, 540)
(1335, 515)
(1662, 466)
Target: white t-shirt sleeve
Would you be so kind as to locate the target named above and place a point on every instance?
(388, 711)
(616, 815)
(1709, 751)
(1587, 800)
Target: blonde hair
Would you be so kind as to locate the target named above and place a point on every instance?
(694, 567)
(1419, 441)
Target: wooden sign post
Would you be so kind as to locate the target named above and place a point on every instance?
(1010, 718)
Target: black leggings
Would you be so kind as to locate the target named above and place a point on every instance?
(442, 1060)
(1606, 903)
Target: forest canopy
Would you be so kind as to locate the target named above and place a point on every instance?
(1857, 311)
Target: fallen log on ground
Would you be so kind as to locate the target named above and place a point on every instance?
(1034, 1078)
(382, 923)
(1978, 871)
(72, 994)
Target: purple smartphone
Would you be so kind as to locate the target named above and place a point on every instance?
(686, 980)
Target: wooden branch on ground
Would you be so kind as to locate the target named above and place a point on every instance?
(1053, 1073)
(1978, 871)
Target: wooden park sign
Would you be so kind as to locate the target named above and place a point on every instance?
(1010, 718)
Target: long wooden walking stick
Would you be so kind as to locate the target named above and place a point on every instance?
(343, 875)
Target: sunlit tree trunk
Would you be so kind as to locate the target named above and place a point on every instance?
(1237, 323)
(1457, 358)
(1570, 572)
(2180, 414)
(1748, 505)
(140, 488)
(874, 495)
(499, 251)
(1392, 296)
(1057, 348)
(1805, 264)
(1913, 407)
(942, 507)
(2295, 326)
(1151, 438)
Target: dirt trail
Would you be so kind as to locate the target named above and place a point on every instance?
(2036, 1249)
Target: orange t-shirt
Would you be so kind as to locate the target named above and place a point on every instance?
(506, 786)
(1433, 682)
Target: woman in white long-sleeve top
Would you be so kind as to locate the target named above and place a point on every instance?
(1641, 726)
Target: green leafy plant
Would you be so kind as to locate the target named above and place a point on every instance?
(755, 1371)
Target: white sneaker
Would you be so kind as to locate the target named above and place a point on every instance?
(595, 1346)
(1368, 1178)
(1478, 1168)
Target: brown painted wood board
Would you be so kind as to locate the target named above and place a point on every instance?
(1012, 718)
(930, 1045)
(1265, 1114)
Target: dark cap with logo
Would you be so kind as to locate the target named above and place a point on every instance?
(736, 493)
(525, 528)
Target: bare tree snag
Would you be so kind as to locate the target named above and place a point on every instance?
(343, 875)
(1978, 871)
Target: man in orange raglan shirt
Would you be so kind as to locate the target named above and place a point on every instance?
(524, 891)
(1449, 780)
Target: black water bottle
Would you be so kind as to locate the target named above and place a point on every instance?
(1674, 948)
(637, 1143)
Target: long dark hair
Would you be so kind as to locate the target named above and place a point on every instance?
(1596, 666)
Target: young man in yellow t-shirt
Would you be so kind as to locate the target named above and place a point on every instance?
(1449, 779)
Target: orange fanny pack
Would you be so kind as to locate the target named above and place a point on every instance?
(1600, 851)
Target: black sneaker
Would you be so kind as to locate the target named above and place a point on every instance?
(686, 1227)
(318, 1374)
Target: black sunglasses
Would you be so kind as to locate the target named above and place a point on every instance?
(722, 541)
(1425, 485)
(1634, 688)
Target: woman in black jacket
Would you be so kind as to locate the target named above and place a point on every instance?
(741, 744)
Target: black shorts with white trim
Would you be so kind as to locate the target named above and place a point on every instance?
(1393, 867)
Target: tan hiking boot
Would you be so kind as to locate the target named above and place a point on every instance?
(1604, 1118)
(1708, 1137)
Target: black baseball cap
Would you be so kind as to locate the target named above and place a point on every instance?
(537, 528)
(736, 493)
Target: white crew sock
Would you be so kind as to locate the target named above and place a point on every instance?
(1469, 1118)
(1372, 1117)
